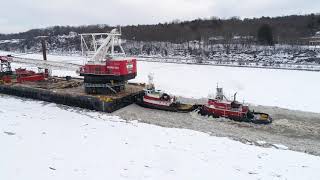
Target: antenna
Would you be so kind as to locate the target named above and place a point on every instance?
(150, 83)
(234, 96)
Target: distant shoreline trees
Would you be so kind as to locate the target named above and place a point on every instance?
(265, 35)
(284, 30)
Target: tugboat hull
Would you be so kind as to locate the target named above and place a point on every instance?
(254, 117)
(174, 107)
(260, 118)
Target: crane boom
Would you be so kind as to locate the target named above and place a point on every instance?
(102, 47)
(41, 63)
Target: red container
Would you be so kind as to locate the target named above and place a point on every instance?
(111, 67)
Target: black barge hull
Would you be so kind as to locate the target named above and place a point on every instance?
(74, 97)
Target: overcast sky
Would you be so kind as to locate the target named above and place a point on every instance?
(22, 15)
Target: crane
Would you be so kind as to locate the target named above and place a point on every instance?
(108, 69)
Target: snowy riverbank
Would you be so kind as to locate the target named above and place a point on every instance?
(48, 141)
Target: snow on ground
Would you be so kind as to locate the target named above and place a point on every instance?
(47, 141)
(296, 90)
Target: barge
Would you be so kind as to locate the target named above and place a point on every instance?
(104, 86)
(72, 93)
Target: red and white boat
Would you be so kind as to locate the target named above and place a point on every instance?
(157, 99)
(220, 106)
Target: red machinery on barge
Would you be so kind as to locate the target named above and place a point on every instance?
(220, 106)
(20, 75)
(108, 70)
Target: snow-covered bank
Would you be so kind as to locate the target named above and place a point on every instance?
(46, 141)
(232, 63)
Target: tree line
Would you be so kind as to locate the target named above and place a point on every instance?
(266, 30)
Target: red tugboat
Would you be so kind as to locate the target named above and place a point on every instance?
(108, 69)
(220, 106)
(156, 99)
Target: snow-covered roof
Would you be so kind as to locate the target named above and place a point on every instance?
(216, 38)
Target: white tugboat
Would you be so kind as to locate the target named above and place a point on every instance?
(157, 99)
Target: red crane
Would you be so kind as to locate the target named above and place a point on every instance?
(108, 69)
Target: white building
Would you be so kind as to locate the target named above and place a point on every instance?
(315, 40)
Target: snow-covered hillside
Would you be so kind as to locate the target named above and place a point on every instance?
(296, 90)
(47, 141)
(236, 55)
